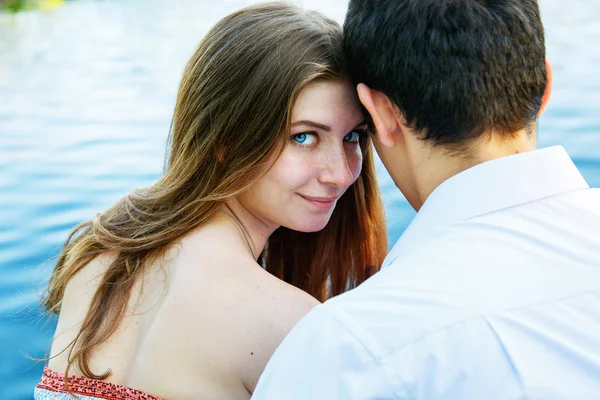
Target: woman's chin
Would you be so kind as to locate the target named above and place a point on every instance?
(310, 225)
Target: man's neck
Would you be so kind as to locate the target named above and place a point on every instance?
(437, 164)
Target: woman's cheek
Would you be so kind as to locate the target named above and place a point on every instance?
(295, 168)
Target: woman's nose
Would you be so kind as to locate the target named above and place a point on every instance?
(336, 170)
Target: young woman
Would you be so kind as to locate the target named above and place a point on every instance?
(184, 289)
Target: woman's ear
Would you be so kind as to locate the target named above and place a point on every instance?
(548, 90)
(383, 114)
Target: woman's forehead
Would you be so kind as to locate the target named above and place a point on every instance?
(326, 103)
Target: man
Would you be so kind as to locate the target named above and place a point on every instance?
(493, 291)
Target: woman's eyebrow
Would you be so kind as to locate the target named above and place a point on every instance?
(312, 124)
(322, 126)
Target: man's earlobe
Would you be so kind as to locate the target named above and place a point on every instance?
(382, 113)
(548, 90)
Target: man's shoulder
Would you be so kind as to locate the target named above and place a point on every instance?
(385, 315)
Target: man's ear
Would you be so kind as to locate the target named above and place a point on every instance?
(383, 113)
(548, 90)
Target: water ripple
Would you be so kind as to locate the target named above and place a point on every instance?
(87, 94)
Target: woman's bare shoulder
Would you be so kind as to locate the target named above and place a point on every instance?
(272, 310)
(280, 303)
(230, 279)
(87, 279)
(238, 313)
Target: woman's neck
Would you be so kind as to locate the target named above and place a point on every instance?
(255, 229)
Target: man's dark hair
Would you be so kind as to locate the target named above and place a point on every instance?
(455, 68)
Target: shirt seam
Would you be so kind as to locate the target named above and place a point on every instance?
(380, 361)
(340, 317)
(398, 349)
(506, 354)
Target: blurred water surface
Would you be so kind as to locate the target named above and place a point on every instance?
(86, 95)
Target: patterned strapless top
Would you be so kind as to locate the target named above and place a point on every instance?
(52, 387)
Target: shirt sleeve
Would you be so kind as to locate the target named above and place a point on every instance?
(322, 358)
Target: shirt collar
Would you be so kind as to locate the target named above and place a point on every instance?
(491, 186)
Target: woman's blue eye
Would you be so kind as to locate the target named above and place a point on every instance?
(300, 138)
(352, 137)
(304, 138)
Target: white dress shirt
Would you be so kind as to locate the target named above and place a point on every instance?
(493, 292)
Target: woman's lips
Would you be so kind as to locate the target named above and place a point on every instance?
(321, 203)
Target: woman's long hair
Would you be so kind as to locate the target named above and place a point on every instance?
(231, 117)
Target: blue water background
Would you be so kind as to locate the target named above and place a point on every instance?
(86, 95)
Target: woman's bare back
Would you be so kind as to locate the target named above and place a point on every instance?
(202, 323)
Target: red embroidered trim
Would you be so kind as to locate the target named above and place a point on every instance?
(90, 387)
